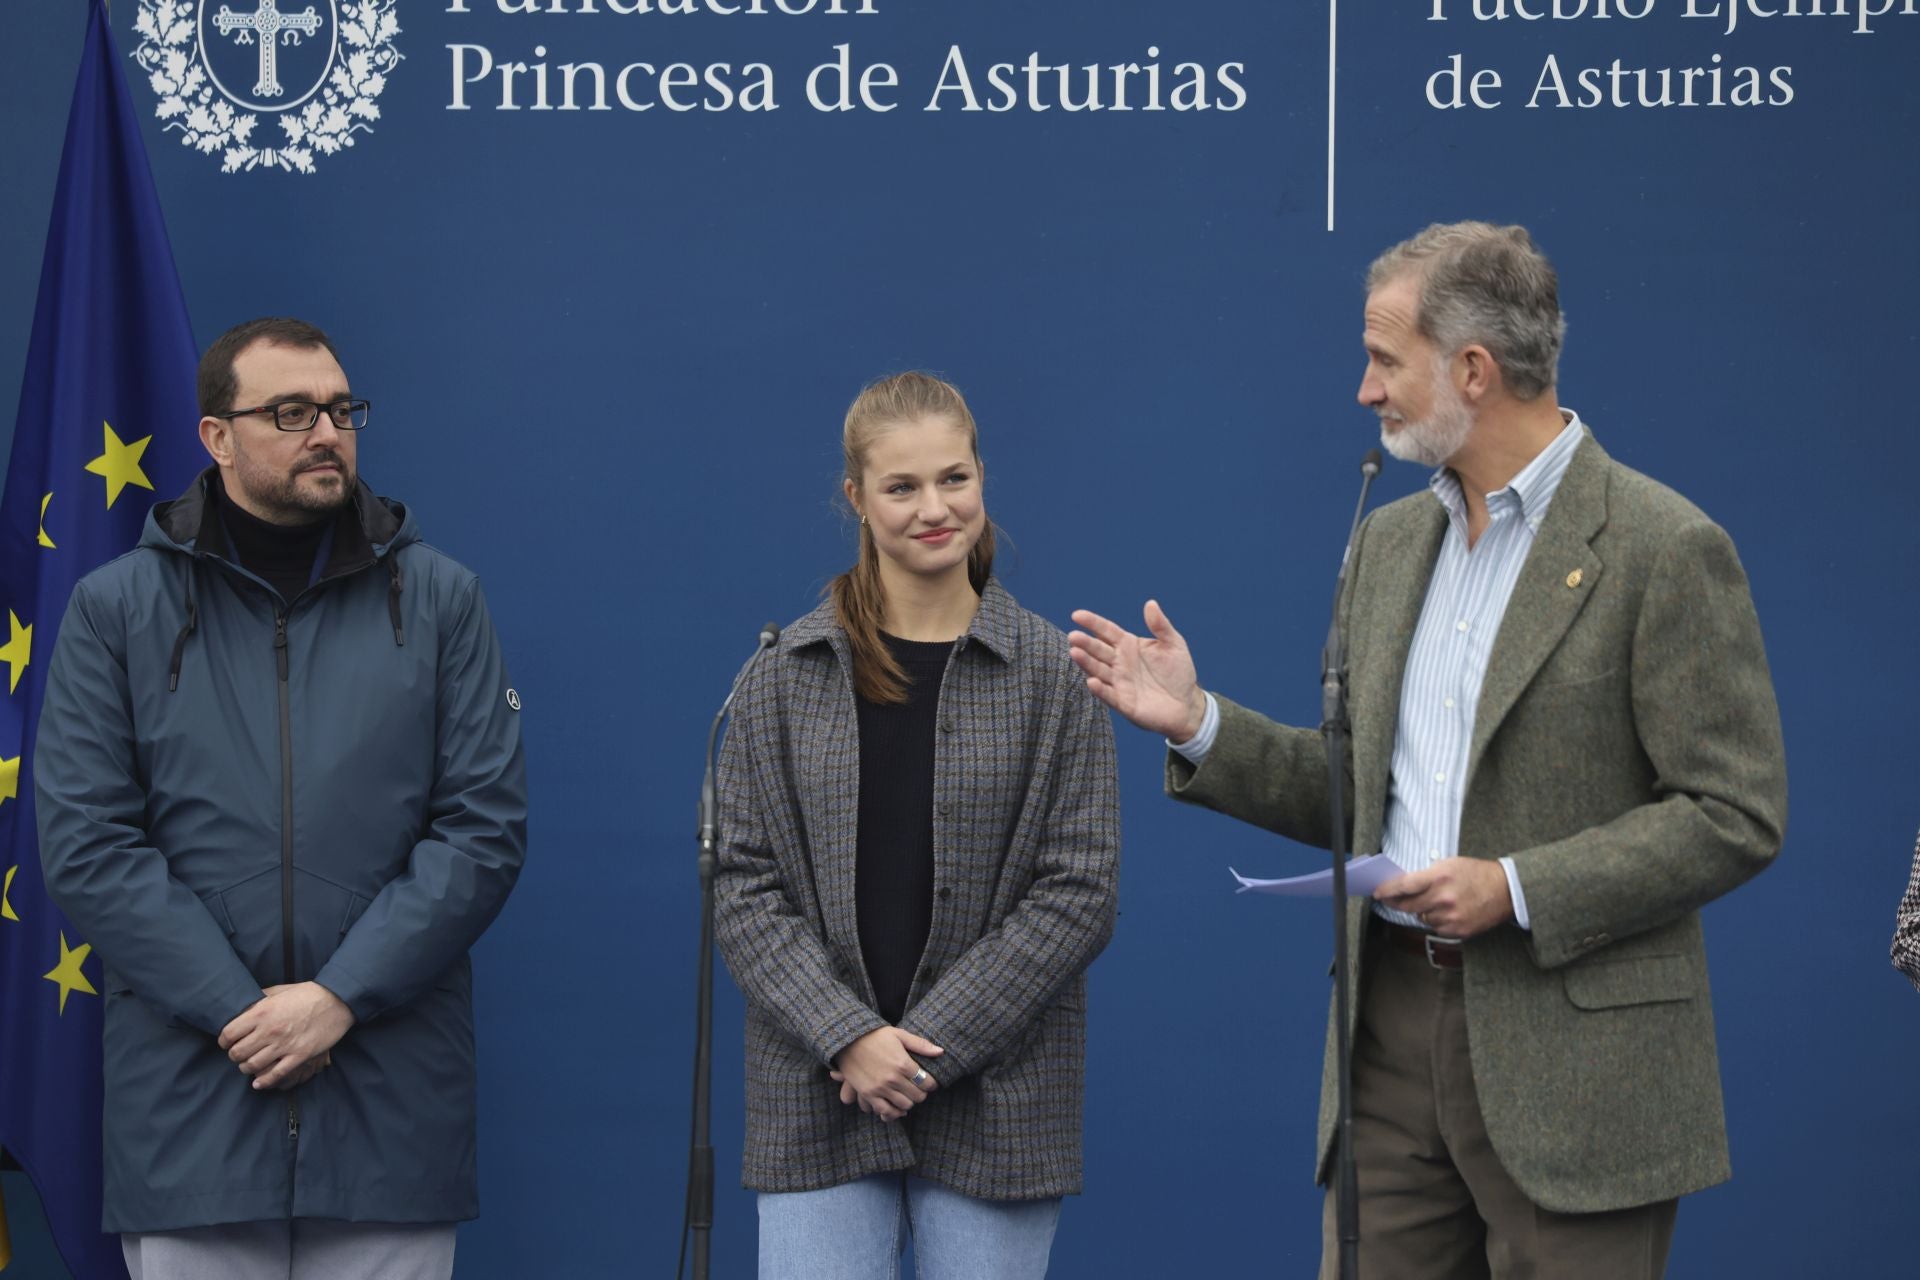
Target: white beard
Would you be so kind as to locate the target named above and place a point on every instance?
(1434, 441)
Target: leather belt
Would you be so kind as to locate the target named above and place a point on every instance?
(1441, 953)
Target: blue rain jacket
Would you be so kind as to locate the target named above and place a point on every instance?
(236, 790)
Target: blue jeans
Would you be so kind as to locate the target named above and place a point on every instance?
(858, 1231)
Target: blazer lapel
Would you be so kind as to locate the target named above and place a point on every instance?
(1555, 583)
(1400, 557)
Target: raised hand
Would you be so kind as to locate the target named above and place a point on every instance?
(1151, 682)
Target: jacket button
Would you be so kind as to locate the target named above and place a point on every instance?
(945, 893)
(947, 724)
(945, 808)
(1603, 939)
(933, 972)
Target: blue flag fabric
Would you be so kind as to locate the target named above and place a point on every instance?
(106, 427)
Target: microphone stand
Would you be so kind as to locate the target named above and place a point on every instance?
(699, 1212)
(1334, 729)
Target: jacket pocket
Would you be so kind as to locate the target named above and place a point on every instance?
(356, 907)
(1630, 980)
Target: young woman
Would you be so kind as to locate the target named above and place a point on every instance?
(920, 859)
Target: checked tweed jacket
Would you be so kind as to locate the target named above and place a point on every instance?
(1626, 753)
(1026, 839)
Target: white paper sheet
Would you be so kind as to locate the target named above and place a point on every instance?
(1364, 875)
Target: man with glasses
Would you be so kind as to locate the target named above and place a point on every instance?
(280, 790)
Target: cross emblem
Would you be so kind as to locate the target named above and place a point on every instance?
(271, 27)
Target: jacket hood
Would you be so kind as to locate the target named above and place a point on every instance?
(367, 532)
(369, 526)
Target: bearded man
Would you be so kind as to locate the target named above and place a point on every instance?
(1564, 733)
(281, 792)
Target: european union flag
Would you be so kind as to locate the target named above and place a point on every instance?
(106, 425)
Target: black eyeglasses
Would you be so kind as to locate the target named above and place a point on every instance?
(300, 415)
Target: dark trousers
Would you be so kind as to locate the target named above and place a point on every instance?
(1435, 1203)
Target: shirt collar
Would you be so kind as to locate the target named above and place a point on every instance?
(1533, 488)
(995, 625)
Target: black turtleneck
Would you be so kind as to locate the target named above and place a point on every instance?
(280, 553)
(893, 857)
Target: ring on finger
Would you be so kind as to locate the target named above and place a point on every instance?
(920, 1076)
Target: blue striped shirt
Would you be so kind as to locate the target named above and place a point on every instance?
(1447, 663)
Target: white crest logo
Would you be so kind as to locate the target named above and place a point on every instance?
(315, 67)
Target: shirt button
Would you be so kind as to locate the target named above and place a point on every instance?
(1449, 704)
(1460, 625)
(1439, 777)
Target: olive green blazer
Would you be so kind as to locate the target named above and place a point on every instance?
(1627, 754)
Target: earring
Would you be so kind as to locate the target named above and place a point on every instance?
(863, 522)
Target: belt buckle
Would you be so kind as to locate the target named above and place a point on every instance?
(1451, 945)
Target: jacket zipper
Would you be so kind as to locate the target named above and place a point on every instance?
(286, 800)
(286, 850)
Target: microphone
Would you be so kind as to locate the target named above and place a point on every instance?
(769, 637)
(1334, 657)
(709, 802)
(1369, 468)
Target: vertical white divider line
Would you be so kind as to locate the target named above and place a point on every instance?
(1333, 29)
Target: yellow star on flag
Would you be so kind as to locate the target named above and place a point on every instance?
(17, 650)
(45, 541)
(9, 779)
(6, 887)
(120, 464)
(67, 973)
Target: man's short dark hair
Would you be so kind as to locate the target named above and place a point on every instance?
(217, 384)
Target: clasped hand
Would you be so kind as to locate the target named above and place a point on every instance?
(877, 1071)
(287, 1036)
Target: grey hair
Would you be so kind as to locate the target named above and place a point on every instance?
(1484, 284)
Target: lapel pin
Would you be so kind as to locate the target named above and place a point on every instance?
(1573, 579)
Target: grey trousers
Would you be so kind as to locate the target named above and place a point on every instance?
(1435, 1203)
(302, 1249)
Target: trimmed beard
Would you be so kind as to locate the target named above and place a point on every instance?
(280, 496)
(1434, 440)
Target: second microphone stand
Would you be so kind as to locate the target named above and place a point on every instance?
(698, 1222)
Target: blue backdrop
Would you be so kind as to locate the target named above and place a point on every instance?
(609, 351)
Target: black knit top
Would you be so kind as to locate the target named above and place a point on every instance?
(283, 554)
(893, 861)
